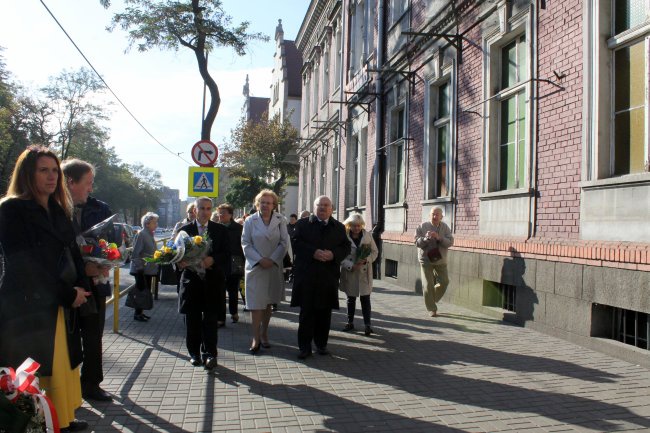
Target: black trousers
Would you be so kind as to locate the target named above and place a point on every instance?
(201, 337)
(365, 308)
(232, 287)
(314, 324)
(92, 330)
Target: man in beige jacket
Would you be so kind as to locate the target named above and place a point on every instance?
(433, 239)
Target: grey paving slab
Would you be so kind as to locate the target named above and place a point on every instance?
(459, 372)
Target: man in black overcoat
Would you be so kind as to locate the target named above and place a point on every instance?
(320, 244)
(88, 211)
(202, 299)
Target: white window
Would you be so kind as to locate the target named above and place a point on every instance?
(326, 76)
(396, 154)
(617, 140)
(323, 172)
(508, 137)
(629, 145)
(307, 102)
(397, 9)
(316, 96)
(357, 165)
(439, 140)
(335, 174)
(338, 50)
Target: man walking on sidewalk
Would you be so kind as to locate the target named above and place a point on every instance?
(320, 246)
(89, 211)
(202, 298)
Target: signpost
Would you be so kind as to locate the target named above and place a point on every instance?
(203, 181)
(205, 153)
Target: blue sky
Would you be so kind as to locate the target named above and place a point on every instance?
(163, 89)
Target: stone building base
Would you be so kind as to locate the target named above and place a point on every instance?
(575, 302)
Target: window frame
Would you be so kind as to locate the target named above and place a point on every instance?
(397, 155)
(443, 76)
(599, 164)
(495, 96)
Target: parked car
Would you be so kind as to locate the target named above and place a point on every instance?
(125, 235)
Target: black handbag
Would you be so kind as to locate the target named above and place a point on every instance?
(237, 265)
(434, 254)
(141, 299)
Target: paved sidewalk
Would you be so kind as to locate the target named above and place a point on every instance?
(460, 372)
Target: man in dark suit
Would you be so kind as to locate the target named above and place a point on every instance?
(320, 245)
(89, 211)
(202, 299)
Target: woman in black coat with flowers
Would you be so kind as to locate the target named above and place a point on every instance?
(42, 286)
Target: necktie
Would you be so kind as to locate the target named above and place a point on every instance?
(201, 230)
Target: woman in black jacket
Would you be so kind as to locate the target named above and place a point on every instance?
(44, 282)
(225, 212)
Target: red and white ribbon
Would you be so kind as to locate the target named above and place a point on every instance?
(23, 381)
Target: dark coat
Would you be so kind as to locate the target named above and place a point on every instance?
(197, 294)
(316, 283)
(93, 212)
(234, 236)
(31, 290)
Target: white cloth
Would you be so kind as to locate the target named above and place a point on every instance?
(264, 286)
(359, 282)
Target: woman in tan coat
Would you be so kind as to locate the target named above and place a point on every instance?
(356, 270)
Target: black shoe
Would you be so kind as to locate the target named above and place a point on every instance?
(196, 362)
(323, 351)
(348, 327)
(235, 318)
(254, 349)
(140, 318)
(304, 354)
(274, 307)
(221, 324)
(210, 363)
(145, 316)
(265, 345)
(76, 425)
(97, 394)
(368, 330)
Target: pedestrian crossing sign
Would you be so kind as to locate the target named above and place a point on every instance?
(203, 181)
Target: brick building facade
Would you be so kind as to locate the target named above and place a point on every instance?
(526, 121)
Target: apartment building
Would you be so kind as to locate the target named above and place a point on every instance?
(525, 120)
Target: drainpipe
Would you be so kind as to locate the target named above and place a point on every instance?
(379, 170)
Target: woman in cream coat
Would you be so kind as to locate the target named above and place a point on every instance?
(265, 241)
(356, 276)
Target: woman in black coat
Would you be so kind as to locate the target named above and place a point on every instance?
(43, 282)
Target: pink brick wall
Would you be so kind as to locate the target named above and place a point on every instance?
(559, 146)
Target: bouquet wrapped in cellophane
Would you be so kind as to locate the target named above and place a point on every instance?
(168, 254)
(96, 246)
(196, 248)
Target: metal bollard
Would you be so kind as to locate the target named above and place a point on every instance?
(116, 300)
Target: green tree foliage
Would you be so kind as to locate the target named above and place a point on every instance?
(67, 107)
(65, 117)
(199, 25)
(242, 192)
(263, 150)
(13, 138)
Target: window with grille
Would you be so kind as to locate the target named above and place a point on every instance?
(627, 326)
(499, 295)
(391, 268)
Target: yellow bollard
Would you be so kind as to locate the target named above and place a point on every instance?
(116, 300)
